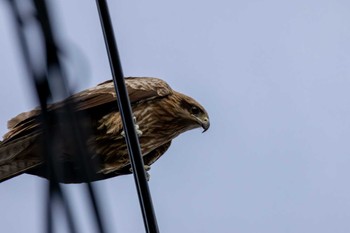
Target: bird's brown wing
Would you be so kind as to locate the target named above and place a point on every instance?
(102, 96)
(13, 161)
(148, 159)
(154, 155)
(94, 102)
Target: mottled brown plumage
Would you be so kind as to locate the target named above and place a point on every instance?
(161, 113)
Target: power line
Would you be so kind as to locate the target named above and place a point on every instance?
(132, 141)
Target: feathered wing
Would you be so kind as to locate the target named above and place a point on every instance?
(19, 150)
(13, 160)
(154, 155)
(148, 159)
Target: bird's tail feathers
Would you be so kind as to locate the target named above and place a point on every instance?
(16, 168)
(14, 157)
(11, 150)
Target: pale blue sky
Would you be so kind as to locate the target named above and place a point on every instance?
(274, 77)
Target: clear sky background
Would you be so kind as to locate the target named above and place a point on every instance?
(274, 76)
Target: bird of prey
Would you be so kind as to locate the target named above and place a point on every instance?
(161, 114)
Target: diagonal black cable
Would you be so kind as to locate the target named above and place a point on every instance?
(132, 141)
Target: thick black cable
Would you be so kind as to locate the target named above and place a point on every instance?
(132, 141)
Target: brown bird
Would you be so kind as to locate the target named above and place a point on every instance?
(160, 112)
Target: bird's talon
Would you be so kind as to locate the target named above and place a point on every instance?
(148, 176)
(147, 168)
(137, 129)
(138, 132)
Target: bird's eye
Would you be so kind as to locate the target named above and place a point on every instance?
(194, 110)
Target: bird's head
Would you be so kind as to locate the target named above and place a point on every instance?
(194, 113)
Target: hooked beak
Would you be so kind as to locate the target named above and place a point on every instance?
(205, 123)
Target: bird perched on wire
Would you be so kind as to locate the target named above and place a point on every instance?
(160, 112)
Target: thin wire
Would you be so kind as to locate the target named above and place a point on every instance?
(132, 141)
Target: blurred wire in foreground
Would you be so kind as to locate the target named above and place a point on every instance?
(131, 138)
(50, 83)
